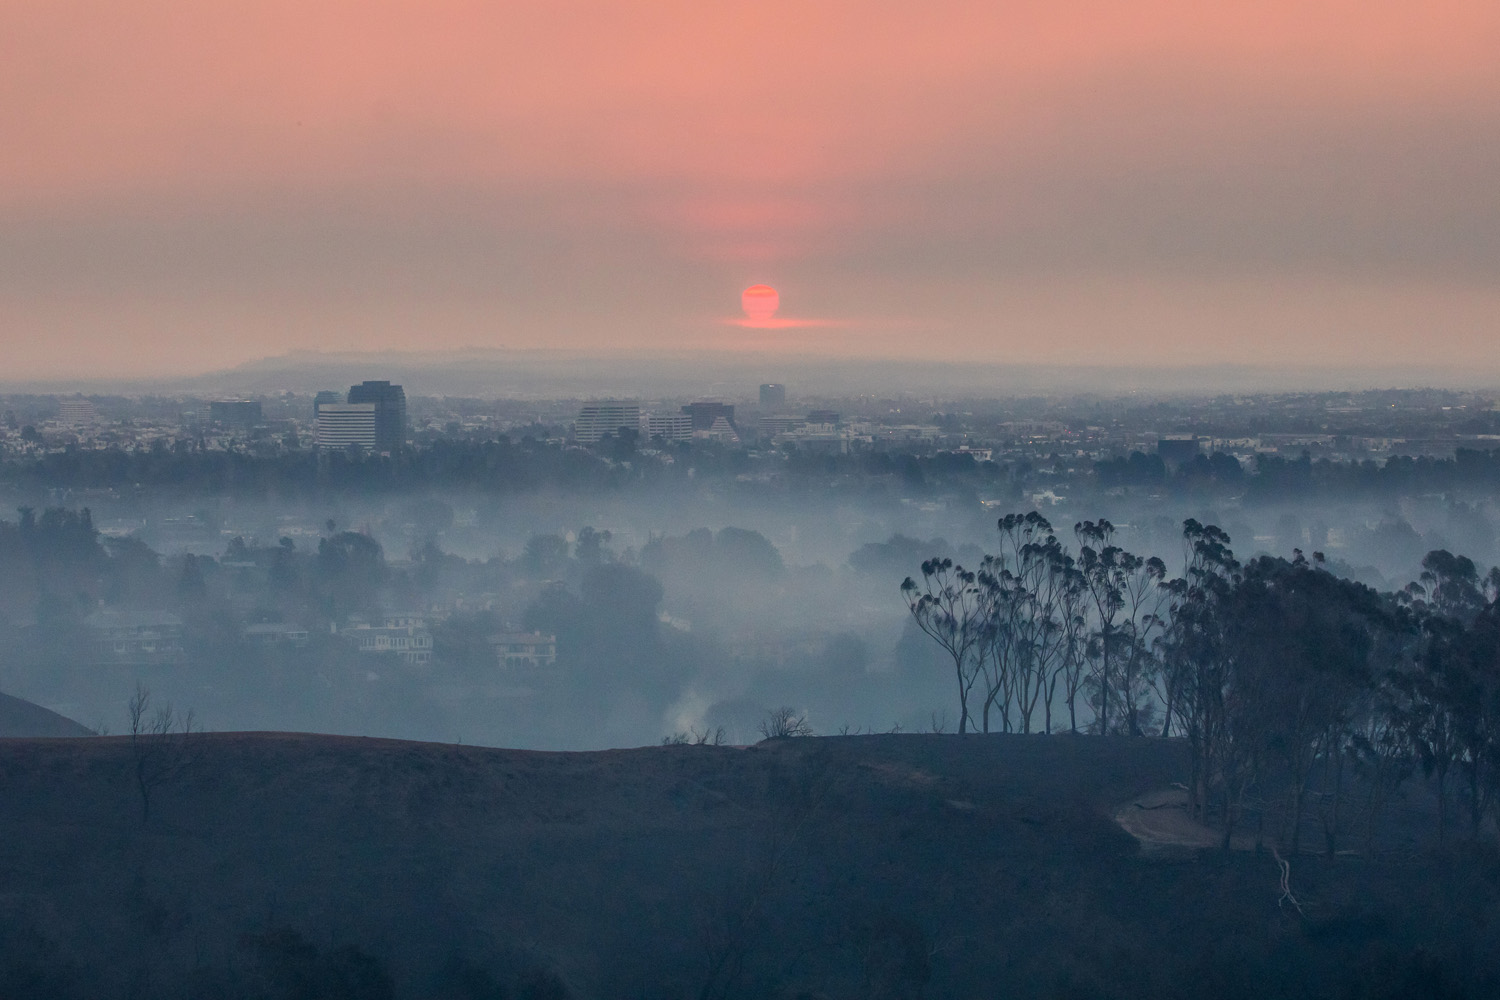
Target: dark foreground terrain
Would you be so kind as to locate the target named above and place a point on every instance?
(273, 865)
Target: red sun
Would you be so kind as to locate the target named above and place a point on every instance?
(760, 302)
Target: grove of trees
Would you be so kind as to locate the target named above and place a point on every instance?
(1306, 699)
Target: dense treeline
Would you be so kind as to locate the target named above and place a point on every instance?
(1275, 477)
(261, 634)
(503, 465)
(1306, 699)
(58, 567)
(57, 572)
(497, 465)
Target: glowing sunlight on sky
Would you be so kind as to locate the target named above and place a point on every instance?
(185, 185)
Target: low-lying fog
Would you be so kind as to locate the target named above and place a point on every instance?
(672, 614)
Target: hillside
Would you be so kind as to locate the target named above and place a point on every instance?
(285, 865)
(20, 718)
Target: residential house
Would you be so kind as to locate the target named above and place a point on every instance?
(136, 637)
(410, 643)
(524, 649)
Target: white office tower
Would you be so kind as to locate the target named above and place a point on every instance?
(338, 425)
(76, 413)
(604, 418)
(668, 426)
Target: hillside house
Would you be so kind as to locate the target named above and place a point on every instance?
(411, 644)
(136, 637)
(276, 634)
(524, 649)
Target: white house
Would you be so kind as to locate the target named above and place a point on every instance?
(276, 633)
(136, 636)
(410, 643)
(524, 649)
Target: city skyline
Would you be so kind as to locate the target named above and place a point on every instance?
(187, 189)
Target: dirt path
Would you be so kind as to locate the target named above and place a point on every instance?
(1159, 820)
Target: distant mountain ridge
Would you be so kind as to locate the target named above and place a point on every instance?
(557, 374)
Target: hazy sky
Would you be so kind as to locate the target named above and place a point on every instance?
(185, 185)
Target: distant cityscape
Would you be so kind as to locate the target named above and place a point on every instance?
(423, 532)
(373, 416)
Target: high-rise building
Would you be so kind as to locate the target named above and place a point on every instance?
(338, 425)
(604, 418)
(668, 426)
(705, 413)
(390, 412)
(772, 424)
(324, 398)
(772, 394)
(76, 412)
(240, 414)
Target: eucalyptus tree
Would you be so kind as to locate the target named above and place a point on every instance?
(1024, 643)
(954, 610)
(1111, 578)
(1048, 576)
(1146, 599)
(1198, 656)
(1057, 593)
(1451, 586)
(1447, 694)
(1304, 640)
(1073, 639)
(1426, 704)
(1449, 705)
(1381, 754)
(1481, 728)
(1004, 602)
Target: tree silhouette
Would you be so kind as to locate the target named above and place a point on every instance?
(950, 606)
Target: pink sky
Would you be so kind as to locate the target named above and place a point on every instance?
(187, 185)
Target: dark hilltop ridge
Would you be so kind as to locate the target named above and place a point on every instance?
(21, 718)
(274, 865)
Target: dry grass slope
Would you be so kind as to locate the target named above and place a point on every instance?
(913, 865)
